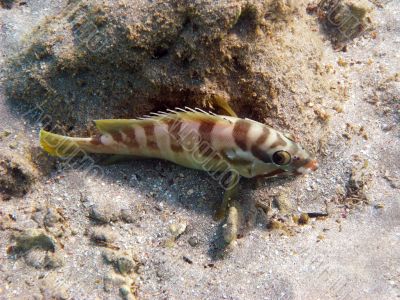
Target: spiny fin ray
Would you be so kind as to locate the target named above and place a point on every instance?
(113, 125)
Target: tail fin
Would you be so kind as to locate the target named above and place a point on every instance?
(59, 145)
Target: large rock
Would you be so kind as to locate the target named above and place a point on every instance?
(110, 59)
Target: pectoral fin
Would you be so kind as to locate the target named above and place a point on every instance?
(229, 196)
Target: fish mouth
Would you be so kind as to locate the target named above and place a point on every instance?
(312, 165)
(308, 167)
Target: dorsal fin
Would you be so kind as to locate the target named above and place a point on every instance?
(112, 125)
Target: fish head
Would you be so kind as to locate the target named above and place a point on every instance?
(283, 157)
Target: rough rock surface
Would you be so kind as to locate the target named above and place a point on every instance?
(105, 59)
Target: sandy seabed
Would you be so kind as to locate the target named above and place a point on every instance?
(144, 228)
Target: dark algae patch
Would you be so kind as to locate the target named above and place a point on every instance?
(16, 175)
(32, 239)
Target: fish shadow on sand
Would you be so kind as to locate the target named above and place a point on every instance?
(193, 190)
(172, 185)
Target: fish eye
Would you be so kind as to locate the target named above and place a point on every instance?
(281, 157)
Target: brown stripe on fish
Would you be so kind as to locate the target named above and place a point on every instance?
(130, 137)
(240, 131)
(96, 140)
(260, 154)
(263, 137)
(205, 130)
(117, 136)
(279, 141)
(174, 127)
(206, 149)
(150, 136)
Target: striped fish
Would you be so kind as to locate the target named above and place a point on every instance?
(194, 139)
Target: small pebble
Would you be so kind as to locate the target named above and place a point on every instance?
(177, 229)
(387, 127)
(188, 260)
(13, 145)
(283, 203)
(61, 294)
(122, 263)
(303, 219)
(113, 280)
(126, 292)
(54, 261)
(5, 134)
(193, 241)
(341, 62)
(102, 235)
(127, 215)
(338, 108)
(51, 218)
(102, 214)
(35, 258)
